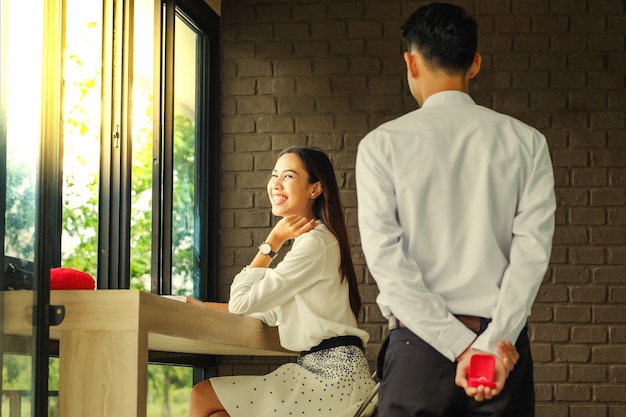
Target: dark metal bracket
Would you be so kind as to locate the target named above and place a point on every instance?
(56, 314)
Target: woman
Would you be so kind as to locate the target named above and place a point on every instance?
(311, 295)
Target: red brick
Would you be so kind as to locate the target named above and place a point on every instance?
(606, 42)
(328, 30)
(571, 274)
(253, 68)
(238, 87)
(608, 236)
(491, 7)
(550, 23)
(382, 9)
(540, 314)
(593, 216)
(563, 235)
(314, 12)
(618, 374)
(310, 48)
(562, 177)
(608, 198)
(259, 104)
(531, 43)
(568, 6)
(237, 124)
(256, 32)
(617, 216)
(276, 13)
(296, 105)
(541, 352)
(277, 86)
(548, 100)
(588, 99)
(617, 295)
(607, 120)
(587, 24)
(344, 10)
(617, 334)
(609, 314)
(607, 6)
(606, 80)
(610, 275)
(587, 255)
(610, 393)
(322, 123)
(549, 61)
(531, 79)
(571, 120)
(544, 410)
(589, 334)
(274, 124)
(572, 314)
(331, 65)
(589, 177)
(588, 294)
(297, 67)
(313, 86)
(573, 392)
(551, 293)
(570, 158)
(364, 29)
(551, 373)
(588, 411)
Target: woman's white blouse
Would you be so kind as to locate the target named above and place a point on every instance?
(303, 295)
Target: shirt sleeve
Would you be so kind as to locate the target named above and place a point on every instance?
(533, 229)
(257, 290)
(271, 317)
(397, 275)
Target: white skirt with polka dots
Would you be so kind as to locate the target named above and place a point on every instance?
(327, 383)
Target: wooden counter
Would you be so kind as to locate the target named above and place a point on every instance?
(105, 337)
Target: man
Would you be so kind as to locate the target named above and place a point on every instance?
(456, 215)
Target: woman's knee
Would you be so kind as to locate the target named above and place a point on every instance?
(204, 401)
(203, 389)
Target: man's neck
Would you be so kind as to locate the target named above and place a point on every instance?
(436, 82)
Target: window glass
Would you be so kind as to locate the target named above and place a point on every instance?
(143, 119)
(21, 91)
(21, 58)
(183, 237)
(82, 66)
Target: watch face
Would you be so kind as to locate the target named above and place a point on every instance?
(265, 248)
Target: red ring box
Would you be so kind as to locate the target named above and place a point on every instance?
(481, 370)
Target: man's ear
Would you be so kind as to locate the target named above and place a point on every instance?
(411, 64)
(475, 68)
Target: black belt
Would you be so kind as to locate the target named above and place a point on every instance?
(471, 322)
(335, 342)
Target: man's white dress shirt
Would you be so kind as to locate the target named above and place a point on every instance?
(456, 214)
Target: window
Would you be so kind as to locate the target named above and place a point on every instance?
(140, 145)
(135, 123)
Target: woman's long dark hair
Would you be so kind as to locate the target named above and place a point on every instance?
(327, 208)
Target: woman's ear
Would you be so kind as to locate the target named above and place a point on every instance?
(316, 190)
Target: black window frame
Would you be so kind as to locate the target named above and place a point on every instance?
(116, 153)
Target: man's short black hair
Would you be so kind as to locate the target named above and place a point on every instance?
(444, 34)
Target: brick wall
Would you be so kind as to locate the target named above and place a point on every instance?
(323, 73)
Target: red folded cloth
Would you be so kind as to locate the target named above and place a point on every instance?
(70, 279)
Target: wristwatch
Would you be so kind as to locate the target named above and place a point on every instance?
(266, 249)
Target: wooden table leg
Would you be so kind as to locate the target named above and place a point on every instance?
(103, 374)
